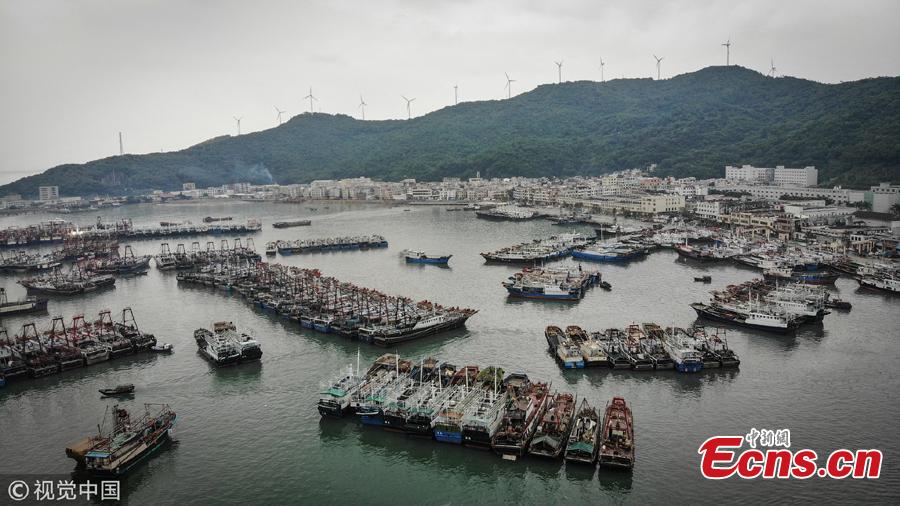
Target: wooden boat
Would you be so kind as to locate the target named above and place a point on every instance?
(582, 446)
(553, 430)
(118, 390)
(617, 438)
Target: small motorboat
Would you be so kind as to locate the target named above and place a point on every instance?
(838, 304)
(119, 390)
(703, 279)
(605, 285)
(162, 348)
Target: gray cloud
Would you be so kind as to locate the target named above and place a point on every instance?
(173, 73)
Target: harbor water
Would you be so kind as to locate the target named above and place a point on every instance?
(252, 432)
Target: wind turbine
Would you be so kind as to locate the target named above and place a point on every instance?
(727, 45)
(658, 60)
(362, 106)
(279, 112)
(455, 94)
(508, 86)
(121, 147)
(408, 101)
(772, 68)
(238, 123)
(602, 63)
(311, 98)
(559, 65)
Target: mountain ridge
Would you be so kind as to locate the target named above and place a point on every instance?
(690, 124)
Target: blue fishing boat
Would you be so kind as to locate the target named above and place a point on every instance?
(617, 252)
(419, 257)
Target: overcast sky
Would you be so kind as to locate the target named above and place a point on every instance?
(169, 74)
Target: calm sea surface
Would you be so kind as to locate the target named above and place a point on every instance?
(252, 433)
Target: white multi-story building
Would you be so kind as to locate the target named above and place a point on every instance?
(655, 204)
(884, 196)
(780, 175)
(710, 210)
(837, 194)
(806, 177)
(749, 174)
(48, 193)
(188, 186)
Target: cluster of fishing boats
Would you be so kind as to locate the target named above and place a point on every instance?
(224, 345)
(768, 306)
(326, 244)
(49, 232)
(566, 284)
(23, 261)
(123, 442)
(124, 265)
(124, 229)
(511, 414)
(196, 257)
(76, 281)
(645, 347)
(538, 250)
(82, 343)
(507, 213)
(611, 252)
(328, 305)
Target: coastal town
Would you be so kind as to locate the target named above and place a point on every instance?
(449, 252)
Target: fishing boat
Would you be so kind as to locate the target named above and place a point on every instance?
(611, 341)
(525, 405)
(335, 401)
(653, 344)
(419, 257)
(552, 433)
(591, 351)
(617, 437)
(224, 345)
(484, 413)
(126, 444)
(887, 284)
(634, 351)
(615, 253)
(29, 304)
(678, 344)
(778, 323)
(447, 423)
(125, 389)
(788, 274)
(703, 279)
(582, 444)
(719, 345)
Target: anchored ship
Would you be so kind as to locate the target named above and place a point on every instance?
(129, 441)
(224, 345)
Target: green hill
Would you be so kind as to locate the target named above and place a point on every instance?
(692, 124)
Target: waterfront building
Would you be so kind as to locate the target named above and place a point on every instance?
(46, 193)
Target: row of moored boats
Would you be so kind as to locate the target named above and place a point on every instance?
(512, 414)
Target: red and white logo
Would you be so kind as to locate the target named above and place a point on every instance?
(721, 458)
